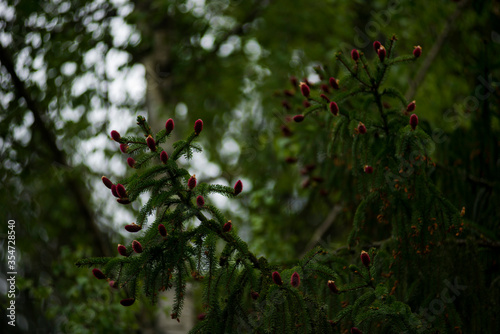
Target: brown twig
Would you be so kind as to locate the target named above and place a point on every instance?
(321, 230)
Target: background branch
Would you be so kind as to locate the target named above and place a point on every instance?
(424, 68)
(58, 156)
(321, 230)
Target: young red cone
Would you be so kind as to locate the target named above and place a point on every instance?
(192, 182)
(164, 157)
(306, 104)
(411, 107)
(151, 143)
(131, 162)
(417, 51)
(318, 179)
(413, 121)
(115, 135)
(277, 278)
(332, 286)
(136, 246)
(334, 108)
(255, 295)
(298, 118)
(365, 258)
(286, 104)
(355, 330)
(324, 97)
(163, 230)
(200, 201)
(113, 191)
(294, 81)
(355, 55)
(198, 126)
(169, 125)
(132, 228)
(286, 130)
(381, 53)
(123, 200)
(202, 316)
(334, 83)
(324, 88)
(304, 89)
(368, 169)
(113, 284)
(122, 250)
(295, 280)
(376, 45)
(120, 190)
(227, 227)
(124, 148)
(310, 167)
(98, 273)
(238, 188)
(361, 128)
(107, 182)
(127, 301)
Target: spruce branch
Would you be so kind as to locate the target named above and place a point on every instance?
(236, 279)
(209, 224)
(366, 68)
(340, 57)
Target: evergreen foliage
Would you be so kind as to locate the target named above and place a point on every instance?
(388, 154)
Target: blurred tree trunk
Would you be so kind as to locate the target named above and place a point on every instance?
(158, 99)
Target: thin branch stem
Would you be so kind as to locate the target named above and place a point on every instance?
(355, 288)
(378, 101)
(365, 67)
(355, 75)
